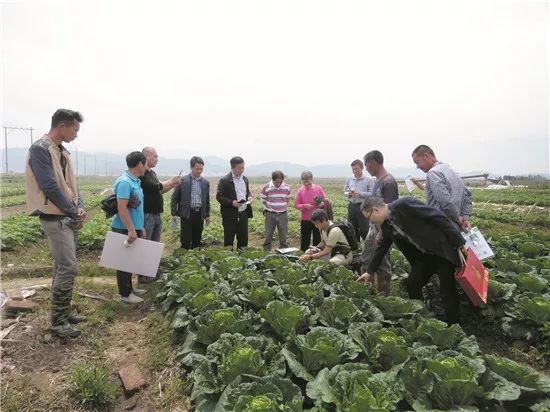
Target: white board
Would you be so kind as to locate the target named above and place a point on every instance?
(141, 257)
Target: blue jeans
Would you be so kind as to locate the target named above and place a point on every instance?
(153, 226)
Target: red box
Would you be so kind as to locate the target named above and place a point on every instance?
(473, 278)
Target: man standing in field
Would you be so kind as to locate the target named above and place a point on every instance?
(234, 197)
(191, 202)
(153, 204)
(129, 219)
(53, 196)
(444, 188)
(386, 188)
(275, 196)
(356, 189)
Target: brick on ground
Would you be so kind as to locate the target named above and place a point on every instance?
(132, 379)
(20, 306)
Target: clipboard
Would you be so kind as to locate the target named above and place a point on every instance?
(141, 257)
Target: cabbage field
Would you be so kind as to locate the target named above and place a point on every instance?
(257, 332)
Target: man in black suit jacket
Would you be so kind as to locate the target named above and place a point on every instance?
(191, 202)
(234, 197)
(428, 240)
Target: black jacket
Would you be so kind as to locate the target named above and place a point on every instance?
(226, 194)
(418, 226)
(180, 204)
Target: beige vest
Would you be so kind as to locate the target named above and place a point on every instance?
(36, 200)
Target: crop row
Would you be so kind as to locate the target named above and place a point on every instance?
(257, 332)
(13, 200)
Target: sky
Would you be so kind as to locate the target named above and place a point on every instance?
(309, 82)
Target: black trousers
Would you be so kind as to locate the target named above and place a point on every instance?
(422, 269)
(124, 279)
(191, 230)
(307, 230)
(236, 227)
(359, 222)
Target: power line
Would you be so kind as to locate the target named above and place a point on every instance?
(7, 131)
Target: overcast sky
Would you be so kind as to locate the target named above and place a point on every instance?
(311, 82)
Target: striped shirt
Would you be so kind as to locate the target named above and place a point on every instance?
(275, 199)
(446, 191)
(196, 195)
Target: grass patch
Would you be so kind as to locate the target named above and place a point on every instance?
(12, 401)
(173, 392)
(159, 337)
(91, 269)
(91, 386)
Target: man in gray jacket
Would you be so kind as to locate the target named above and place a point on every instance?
(191, 203)
(444, 187)
(53, 196)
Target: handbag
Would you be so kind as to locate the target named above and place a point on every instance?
(473, 277)
(109, 206)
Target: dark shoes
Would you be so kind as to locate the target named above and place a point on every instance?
(65, 331)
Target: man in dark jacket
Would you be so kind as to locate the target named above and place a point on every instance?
(234, 197)
(428, 240)
(191, 202)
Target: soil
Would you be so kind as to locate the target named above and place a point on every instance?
(36, 368)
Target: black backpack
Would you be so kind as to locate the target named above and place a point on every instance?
(109, 206)
(349, 232)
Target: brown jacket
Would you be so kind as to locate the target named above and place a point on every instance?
(48, 191)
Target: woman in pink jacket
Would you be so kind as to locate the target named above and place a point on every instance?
(308, 198)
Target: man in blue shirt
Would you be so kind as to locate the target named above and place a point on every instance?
(130, 217)
(357, 188)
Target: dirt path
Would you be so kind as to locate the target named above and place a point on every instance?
(36, 369)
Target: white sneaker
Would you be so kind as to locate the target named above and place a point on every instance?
(131, 298)
(136, 291)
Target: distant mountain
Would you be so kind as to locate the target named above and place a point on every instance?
(110, 164)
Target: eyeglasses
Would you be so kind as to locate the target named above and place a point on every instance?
(370, 214)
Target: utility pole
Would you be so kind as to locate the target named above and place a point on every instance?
(76, 153)
(6, 146)
(8, 130)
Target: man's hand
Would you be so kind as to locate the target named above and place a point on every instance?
(464, 224)
(207, 221)
(132, 236)
(80, 214)
(174, 181)
(365, 278)
(236, 204)
(305, 257)
(250, 198)
(307, 206)
(143, 233)
(355, 194)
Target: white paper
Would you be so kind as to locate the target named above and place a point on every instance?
(287, 250)
(141, 257)
(409, 183)
(478, 244)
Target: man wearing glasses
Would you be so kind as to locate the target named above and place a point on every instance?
(428, 239)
